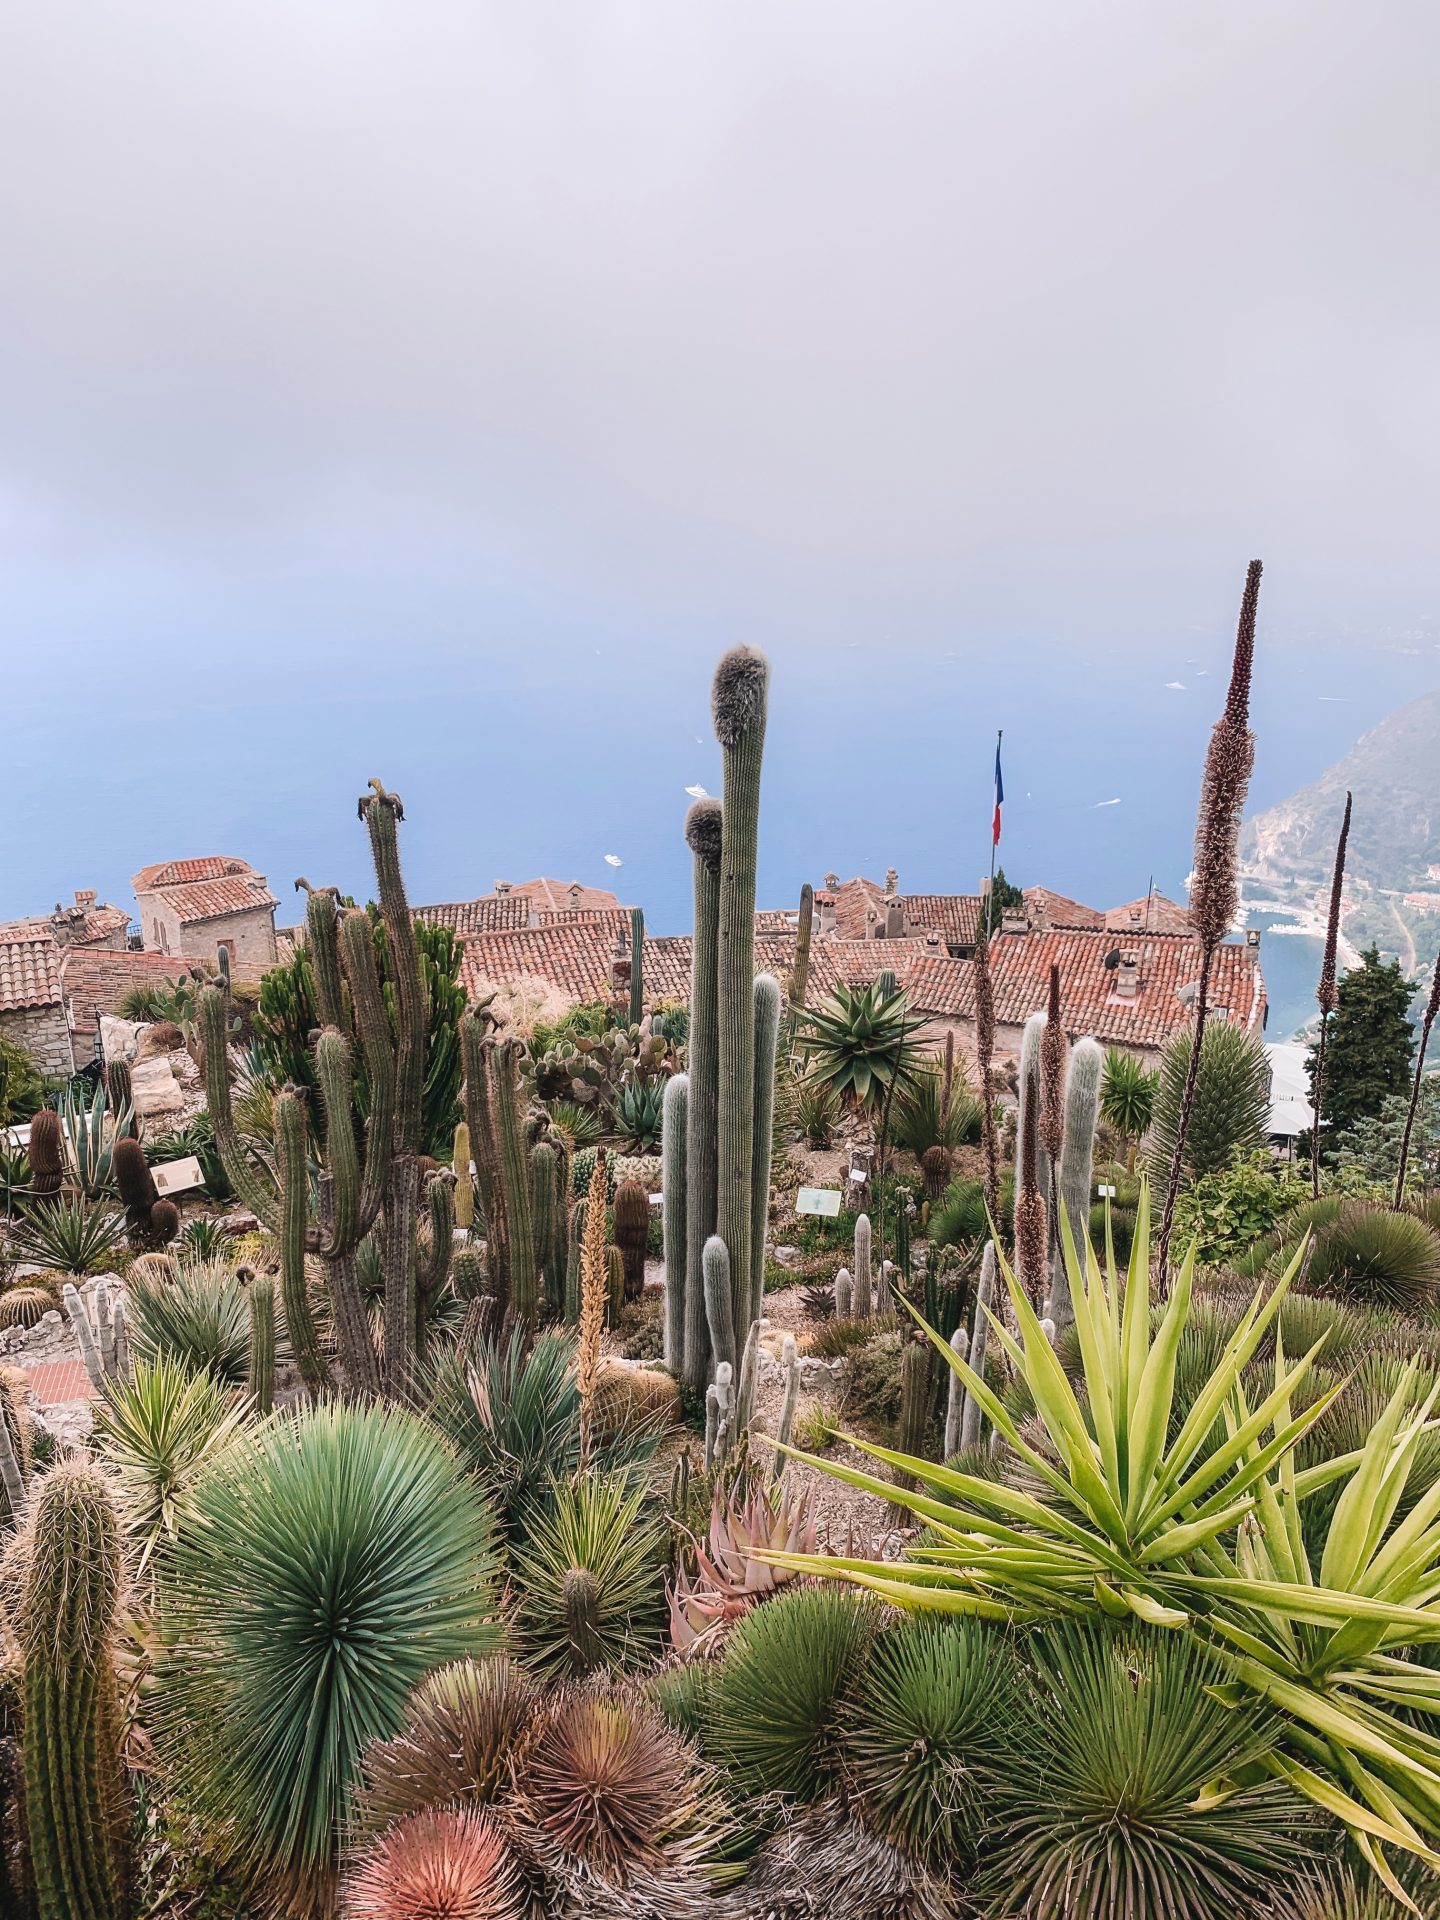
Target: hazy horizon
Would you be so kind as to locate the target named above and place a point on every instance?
(436, 393)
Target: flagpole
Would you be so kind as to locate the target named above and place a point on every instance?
(994, 847)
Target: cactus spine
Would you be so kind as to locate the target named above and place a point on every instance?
(767, 1040)
(703, 833)
(861, 1279)
(738, 703)
(970, 1418)
(74, 1786)
(637, 966)
(261, 1378)
(673, 1143)
(719, 1301)
(1077, 1165)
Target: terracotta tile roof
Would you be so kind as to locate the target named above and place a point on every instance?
(1020, 970)
(29, 966)
(853, 901)
(954, 916)
(93, 980)
(560, 896)
(1049, 909)
(195, 900)
(81, 925)
(173, 873)
(1153, 915)
(494, 913)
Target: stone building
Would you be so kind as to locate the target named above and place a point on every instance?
(33, 1010)
(191, 909)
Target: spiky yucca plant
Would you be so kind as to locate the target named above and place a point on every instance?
(608, 1792)
(929, 1735)
(449, 1863)
(587, 1579)
(197, 1316)
(156, 1434)
(1374, 1256)
(1229, 1100)
(71, 1236)
(464, 1723)
(788, 1672)
(325, 1568)
(1112, 1812)
(1337, 1893)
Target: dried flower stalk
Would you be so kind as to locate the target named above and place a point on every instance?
(985, 1054)
(1427, 1025)
(594, 1292)
(1327, 995)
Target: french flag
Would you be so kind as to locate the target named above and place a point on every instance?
(999, 799)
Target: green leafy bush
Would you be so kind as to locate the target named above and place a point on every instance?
(1227, 1210)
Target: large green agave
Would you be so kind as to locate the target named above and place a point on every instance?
(1201, 1533)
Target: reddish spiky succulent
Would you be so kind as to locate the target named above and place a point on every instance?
(464, 1722)
(731, 1576)
(442, 1864)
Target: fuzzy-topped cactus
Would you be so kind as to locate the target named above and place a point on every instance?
(861, 1278)
(704, 829)
(65, 1624)
(673, 1143)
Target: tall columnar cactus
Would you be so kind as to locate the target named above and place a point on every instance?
(104, 1349)
(46, 1154)
(261, 1377)
(637, 966)
(861, 1278)
(914, 1401)
(1031, 1106)
(15, 1456)
(738, 704)
(790, 1396)
(369, 1174)
(719, 1301)
(1077, 1165)
(800, 972)
(749, 1378)
(844, 1295)
(66, 1623)
(150, 1222)
(614, 1286)
(1032, 1242)
(955, 1394)
(704, 826)
(673, 1143)
(464, 1179)
(632, 1230)
(120, 1098)
(549, 1233)
(767, 1039)
(971, 1414)
(495, 1115)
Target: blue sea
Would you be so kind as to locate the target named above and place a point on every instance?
(1290, 963)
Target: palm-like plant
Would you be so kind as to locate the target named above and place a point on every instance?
(1199, 1532)
(70, 1236)
(322, 1571)
(1230, 1101)
(157, 1433)
(578, 1126)
(861, 1041)
(1112, 1809)
(588, 1579)
(1127, 1098)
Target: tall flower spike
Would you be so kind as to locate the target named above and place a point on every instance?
(1215, 892)
(594, 1286)
(985, 1052)
(1327, 996)
(1427, 1026)
(1031, 1225)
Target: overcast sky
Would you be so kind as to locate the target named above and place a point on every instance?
(499, 333)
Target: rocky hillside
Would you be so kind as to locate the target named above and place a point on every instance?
(1395, 836)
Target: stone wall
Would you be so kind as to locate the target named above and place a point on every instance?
(44, 1034)
(253, 934)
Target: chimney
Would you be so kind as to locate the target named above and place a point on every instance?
(1014, 920)
(502, 887)
(1252, 936)
(894, 915)
(85, 898)
(832, 881)
(825, 906)
(872, 923)
(620, 961)
(574, 895)
(892, 880)
(1127, 975)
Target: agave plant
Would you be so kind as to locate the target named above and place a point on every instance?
(328, 1562)
(861, 1041)
(639, 1113)
(578, 1126)
(1199, 1533)
(464, 1723)
(203, 1241)
(156, 1434)
(70, 1236)
(89, 1138)
(1112, 1807)
(587, 1579)
(922, 1118)
(732, 1572)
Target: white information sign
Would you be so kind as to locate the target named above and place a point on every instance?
(822, 1200)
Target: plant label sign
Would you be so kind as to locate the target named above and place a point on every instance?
(177, 1176)
(822, 1200)
(1106, 1193)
